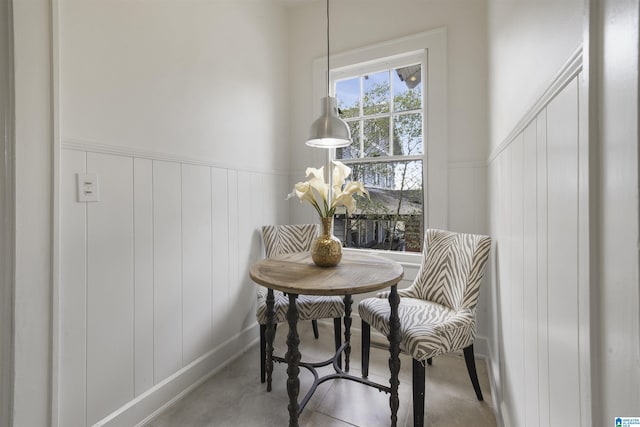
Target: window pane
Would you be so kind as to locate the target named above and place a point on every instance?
(393, 218)
(407, 88)
(348, 95)
(376, 93)
(376, 137)
(407, 134)
(353, 150)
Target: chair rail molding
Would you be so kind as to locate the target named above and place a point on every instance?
(567, 73)
(119, 150)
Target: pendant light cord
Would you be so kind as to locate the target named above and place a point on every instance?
(328, 65)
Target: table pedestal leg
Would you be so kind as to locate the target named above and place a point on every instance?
(270, 334)
(293, 359)
(394, 350)
(348, 300)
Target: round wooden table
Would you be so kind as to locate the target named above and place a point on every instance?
(357, 273)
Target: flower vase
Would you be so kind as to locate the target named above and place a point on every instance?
(326, 249)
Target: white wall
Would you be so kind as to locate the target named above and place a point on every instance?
(616, 299)
(529, 41)
(563, 209)
(199, 79)
(535, 208)
(180, 110)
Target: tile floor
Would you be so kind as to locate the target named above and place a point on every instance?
(234, 397)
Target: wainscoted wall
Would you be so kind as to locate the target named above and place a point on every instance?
(154, 289)
(537, 217)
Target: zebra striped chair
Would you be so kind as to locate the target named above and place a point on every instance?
(285, 239)
(438, 311)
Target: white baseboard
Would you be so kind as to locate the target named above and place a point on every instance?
(158, 398)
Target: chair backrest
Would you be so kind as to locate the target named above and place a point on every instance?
(452, 268)
(286, 239)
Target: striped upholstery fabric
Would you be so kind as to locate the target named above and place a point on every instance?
(288, 239)
(437, 312)
(284, 239)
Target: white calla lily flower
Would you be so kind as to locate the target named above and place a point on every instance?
(321, 188)
(316, 173)
(340, 173)
(316, 187)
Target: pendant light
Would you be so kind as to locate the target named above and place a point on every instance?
(329, 130)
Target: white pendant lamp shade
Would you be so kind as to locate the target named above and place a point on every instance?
(329, 131)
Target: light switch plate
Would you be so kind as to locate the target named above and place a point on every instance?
(87, 187)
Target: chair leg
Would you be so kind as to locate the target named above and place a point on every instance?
(418, 393)
(314, 325)
(366, 346)
(471, 367)
(337, 336)
(263, 352)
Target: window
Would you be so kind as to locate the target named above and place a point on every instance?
(393, 96)
(384, 110)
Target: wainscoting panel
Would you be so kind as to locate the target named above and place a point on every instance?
(73, 294)
(220, 254)
(155, 294)
(167, 269)
(516, 262)
(143, 278)
(196, 262)
(543, 288)
(243, 296)
(110, 290)
(562, 255)
(233, 193)
(504, 287)
(529, 276)
(534, 219)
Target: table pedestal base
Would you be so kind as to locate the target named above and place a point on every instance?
(339, 374)
(292, 358)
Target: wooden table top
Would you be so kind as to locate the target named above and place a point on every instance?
(296, 273)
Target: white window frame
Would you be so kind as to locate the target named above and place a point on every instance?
(431, 47)
(384, 64)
